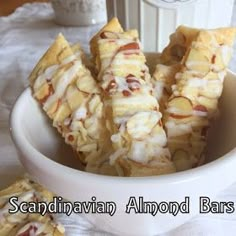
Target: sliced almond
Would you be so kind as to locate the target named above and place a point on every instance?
(94, 103)
(62, 113)
(87, 84)
(88, 147)
(181, 103)
(180, 107)
(210, 104)
(74, 97)
(93, 131)
(53, 108)
(92, 126)
(80, 140)
(109, 34)
(43, 92)
(199, 59)
(182, 160)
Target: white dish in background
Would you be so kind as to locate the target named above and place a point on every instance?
(45, 156)
(79, 12)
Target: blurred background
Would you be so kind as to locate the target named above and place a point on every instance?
(154, 19)
(8, 6)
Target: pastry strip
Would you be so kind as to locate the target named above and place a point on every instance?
(19, 224)
(71, 98)
(131, 111)
(195, 95)
(170, 63)
(114, 26)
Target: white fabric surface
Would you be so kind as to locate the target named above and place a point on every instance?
(24, 37)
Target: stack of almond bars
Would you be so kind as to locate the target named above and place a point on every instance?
(121, 120)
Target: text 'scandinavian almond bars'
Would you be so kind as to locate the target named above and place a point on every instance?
(71, 98)
(195, 95)
(132, 112)
(22, 224)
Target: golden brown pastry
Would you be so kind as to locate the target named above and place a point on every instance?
(70, 96)
(195, 95)
(170, 63)
(114, 121)
(114, 26)
(162, 80)
(22, 224)
(132, 112)
(180, 41)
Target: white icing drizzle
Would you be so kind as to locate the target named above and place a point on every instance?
(124, 61)
(80, 113)
(115, 138)
(134, 112)
(50, 71)
(142, 123)
(69, 59)
(121, 83)
(196, 82)
(199, 113)
(158, 89)
(159, 139)
(174, 129)
(174, 110)
(67, 121)
(138, 152)
(62, 84)
(45, 77)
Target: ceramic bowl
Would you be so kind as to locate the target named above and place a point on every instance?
(52, 163)
(79, 12)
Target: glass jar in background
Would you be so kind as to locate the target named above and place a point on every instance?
(79, 12)
(157, 19)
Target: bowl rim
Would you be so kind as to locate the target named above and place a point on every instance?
(38, 158)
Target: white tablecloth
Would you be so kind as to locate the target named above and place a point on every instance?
(24, 37)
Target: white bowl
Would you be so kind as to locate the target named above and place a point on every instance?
(52, 163)
(79, 12)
